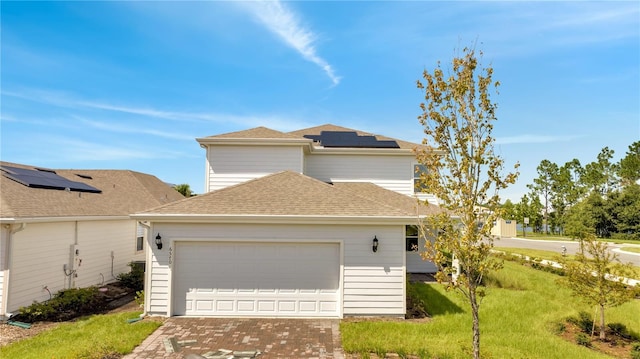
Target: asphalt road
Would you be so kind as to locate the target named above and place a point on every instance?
(556, 246)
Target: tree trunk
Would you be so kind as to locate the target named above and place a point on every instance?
(476, 322)
(602, 334)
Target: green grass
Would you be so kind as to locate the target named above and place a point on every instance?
(553, 256)
(543, 236)
(518, 317)
(631, 249)
(533, 253)
(558, 237)
(90, 337)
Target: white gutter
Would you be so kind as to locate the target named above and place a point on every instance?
(255, 141)
(61, 219)
(280, 219)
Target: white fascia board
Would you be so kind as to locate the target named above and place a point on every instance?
(62, 219)
(255, 141)
(266, 219)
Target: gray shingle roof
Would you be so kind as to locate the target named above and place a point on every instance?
(123, 192)
(263, 133)
(390, 198)
(255, 133)
(292, 194)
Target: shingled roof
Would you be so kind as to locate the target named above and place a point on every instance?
(255, 133)
(122, 192)
(292, 194)
(390, 198)
(264, 133)
(314, 131)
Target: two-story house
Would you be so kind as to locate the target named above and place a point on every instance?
(318, 222)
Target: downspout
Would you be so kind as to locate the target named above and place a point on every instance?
(147, 273)
(13, 229)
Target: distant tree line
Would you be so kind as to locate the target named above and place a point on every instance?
(602, 197)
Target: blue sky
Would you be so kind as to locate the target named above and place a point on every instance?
(130, 85)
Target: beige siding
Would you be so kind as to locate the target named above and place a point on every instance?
(372, 283)
(38, 255)
(394, 173)
(230, 165)
(40, 251)
(97, 240)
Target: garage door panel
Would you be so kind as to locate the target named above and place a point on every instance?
(256, 279)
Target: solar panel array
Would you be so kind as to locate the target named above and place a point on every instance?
(45, 179)
(350, 139)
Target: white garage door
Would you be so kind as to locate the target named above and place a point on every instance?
(256, 279)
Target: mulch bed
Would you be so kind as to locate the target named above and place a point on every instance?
(613, 345)
(115, 299)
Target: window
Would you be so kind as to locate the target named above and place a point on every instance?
(139, 243)
(412, 238)
(418, 186)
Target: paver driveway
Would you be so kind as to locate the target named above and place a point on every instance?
(274, 338)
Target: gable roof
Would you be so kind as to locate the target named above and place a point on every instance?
(289, 194)
(267, 136)
(255, 133)
(122, 192)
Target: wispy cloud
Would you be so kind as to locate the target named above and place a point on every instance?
(523, 139)
(135, 129)
(77, 150)
(282, 21)
(277, 122)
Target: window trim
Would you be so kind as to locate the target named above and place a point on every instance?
(411, 238)
(418, 169)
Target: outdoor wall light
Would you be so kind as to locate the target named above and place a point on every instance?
(159, 241)
(375, 244)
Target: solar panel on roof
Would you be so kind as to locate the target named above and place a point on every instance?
(350, 139)
(45, 179)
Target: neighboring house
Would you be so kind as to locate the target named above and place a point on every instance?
(312, 223)
(69, 228)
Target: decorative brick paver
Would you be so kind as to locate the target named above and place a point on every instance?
(273, 338)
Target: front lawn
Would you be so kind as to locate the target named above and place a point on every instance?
(631, 249)
(93, 337)
(519, 319)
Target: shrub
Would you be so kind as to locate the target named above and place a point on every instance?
(622, 331)
(139, 299)
(583, 321)
(66, 304)
(134, 279)
(635, 350)
(583, 339)
(559, 328)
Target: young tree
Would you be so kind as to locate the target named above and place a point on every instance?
(598, 277)
(463, 172)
